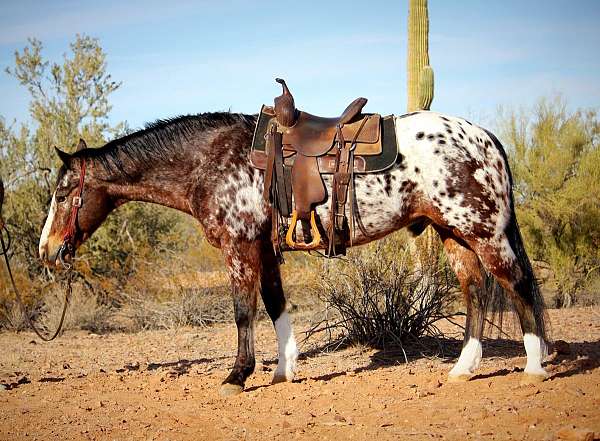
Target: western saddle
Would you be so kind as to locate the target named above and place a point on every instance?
(296, 149)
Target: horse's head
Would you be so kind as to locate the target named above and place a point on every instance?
(79, 205)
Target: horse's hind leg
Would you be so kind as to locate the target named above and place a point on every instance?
(468, 270)
(506, 259)
(243, 262)
(274, 300)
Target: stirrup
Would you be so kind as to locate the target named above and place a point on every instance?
(314, 232)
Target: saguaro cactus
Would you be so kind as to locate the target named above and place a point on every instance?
(420, 73)
(420, 95)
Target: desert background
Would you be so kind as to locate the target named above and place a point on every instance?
(149, 334)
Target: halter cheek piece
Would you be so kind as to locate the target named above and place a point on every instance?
(68, 245)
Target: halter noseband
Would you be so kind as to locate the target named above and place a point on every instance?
(68, 244)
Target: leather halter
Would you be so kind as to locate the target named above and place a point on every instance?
(68, 244)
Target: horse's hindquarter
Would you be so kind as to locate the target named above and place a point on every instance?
(450, 172)
(458, 170)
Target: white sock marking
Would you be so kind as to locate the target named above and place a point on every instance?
(288, 351)
(536, 352)
(469, 359)
(46, 231)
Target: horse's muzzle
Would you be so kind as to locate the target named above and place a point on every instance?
(50, 253)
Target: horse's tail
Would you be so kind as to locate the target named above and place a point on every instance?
(529, 281)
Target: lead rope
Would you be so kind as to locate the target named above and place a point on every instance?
(18, 295)
(66, 247)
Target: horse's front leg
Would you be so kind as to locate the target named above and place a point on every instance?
(272, 294)
(243, 262)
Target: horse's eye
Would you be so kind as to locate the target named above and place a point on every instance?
(61, 199)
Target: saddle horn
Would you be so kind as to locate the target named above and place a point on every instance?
(285, 109)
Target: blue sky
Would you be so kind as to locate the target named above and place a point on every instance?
(183, 57)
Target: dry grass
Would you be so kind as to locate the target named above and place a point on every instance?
(135, 311)
(85, 311)
(184, 307)
(11, 317)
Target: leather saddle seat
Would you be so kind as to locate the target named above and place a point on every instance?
(312, 135)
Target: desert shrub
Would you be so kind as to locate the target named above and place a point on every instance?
(11, 317)
(69, 99)
(379, 299)
(555, 159)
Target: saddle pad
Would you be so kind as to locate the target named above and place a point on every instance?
(362, 163)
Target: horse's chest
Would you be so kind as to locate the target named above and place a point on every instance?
(237, 206)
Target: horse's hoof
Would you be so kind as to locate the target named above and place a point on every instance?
(228, 390)
(280, 378)
(533, 378)
(461, 378)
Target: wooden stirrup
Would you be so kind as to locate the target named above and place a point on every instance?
(314, 231)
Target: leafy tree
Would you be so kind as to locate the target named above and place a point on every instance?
(555, 158)
(70, 100)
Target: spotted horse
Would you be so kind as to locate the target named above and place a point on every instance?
(452, 175)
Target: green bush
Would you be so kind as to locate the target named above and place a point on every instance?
(555, 159)
(69, 99)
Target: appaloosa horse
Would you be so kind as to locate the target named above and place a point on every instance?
(452, 175)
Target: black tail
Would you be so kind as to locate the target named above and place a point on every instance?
(529, 280)
(513, 233)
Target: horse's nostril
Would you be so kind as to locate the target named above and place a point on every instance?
(43, 253)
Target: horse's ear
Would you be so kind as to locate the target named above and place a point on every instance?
(64, 156)
(82, 145)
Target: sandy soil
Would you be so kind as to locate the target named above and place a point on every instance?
(164, 385)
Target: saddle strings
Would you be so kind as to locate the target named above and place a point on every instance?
(352, 188)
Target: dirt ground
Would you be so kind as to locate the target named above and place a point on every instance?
(164, 385)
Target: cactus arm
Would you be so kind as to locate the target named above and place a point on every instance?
(420, 74)
(425, 88)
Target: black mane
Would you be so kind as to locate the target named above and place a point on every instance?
(159, 140)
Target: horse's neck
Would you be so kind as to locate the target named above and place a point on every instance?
(175, 183)
(159, 185)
